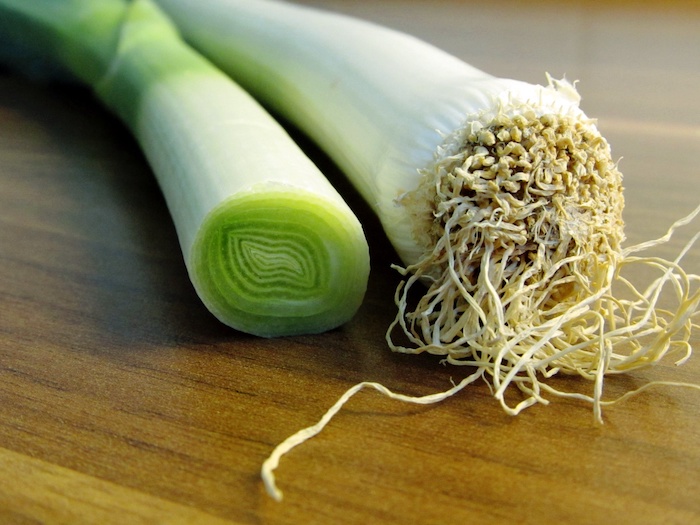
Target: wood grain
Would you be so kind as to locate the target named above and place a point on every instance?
(123, 401)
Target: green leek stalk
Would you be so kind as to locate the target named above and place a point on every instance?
(270, 246)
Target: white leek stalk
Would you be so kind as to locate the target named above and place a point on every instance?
(270, 246)
(501, 196)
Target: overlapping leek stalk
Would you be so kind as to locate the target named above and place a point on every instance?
(270, 246)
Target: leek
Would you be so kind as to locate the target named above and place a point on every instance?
(500, 196)
(270, 246)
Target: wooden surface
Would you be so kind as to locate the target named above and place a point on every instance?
(123, 401)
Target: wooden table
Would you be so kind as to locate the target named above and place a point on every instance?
(123, 401)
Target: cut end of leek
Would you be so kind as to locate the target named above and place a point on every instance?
(277, 264)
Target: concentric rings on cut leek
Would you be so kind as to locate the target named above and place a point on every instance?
(278, 264)
(258, 261)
